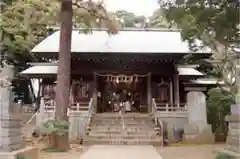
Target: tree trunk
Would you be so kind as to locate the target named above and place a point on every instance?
(64, 63)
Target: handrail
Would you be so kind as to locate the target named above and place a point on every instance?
(157, 120)
(89, 115)
(31, 119)
(121, 113)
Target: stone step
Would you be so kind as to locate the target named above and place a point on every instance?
(122, 142)
(116, 114)
(122, 137)
(100, 133)
(120, 129)
(120, 120)
(151, 125)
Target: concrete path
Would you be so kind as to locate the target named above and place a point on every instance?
(121, 152)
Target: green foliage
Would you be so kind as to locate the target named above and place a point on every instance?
(158, 20)
(208, 21)
(22, 157)
(24, 24)
(209, 26)
(59, 127)
(221, 155)
(130, 20)
(52, 150)
(218, 106)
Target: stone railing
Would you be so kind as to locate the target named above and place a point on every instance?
(72, 109)
(77, 114)
(157, 121)
(172, 110)
(166, 107)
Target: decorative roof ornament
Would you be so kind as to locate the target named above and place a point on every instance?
(6, 75)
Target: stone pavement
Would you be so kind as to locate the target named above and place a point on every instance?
(189, 152)
(121, 152)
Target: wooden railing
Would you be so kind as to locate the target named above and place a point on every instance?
(157, 121)
(166, 107)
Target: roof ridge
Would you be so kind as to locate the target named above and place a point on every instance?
(125, 29)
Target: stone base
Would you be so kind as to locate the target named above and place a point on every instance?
(11, 137)
(193, 136)
(233, 138)
(28, 152)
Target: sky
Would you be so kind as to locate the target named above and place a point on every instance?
(138, 7)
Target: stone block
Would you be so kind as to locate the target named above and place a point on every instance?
(192, 135)
(233, 138)
(234, 126)
(235, 109)
(233, 118)
(11, 132)
(10, 123)
(10, 135)
(197, 113)
(190, 129)
(11, 147)
(28, 152)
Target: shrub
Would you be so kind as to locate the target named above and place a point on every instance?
(22, 157)
(55, 130)
(218, 106)
(58, 127)
(221, 155)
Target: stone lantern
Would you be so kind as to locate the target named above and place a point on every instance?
(233, 138)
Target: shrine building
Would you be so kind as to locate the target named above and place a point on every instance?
(143, 63)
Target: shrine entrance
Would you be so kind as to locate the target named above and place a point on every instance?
(115, 91)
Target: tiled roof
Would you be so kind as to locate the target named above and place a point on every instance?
(126, 41)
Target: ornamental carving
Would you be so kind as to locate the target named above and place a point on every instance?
(6, 76)
(4, 82)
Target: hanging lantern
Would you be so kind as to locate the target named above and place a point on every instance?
(117, 80)
(125, 79)
(131, 79)
(136, 79)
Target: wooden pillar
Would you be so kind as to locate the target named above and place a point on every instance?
(95, 91)
(171, 91)
(176, 90)
(149, 92)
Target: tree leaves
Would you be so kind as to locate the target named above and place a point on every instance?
(20, 21)
(24, 22)
(204, 21)
(157, 20)
(214, 23)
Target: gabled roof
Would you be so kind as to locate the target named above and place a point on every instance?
(126, 41)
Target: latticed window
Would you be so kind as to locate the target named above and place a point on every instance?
(163, 93)
(80, 90)
(49, 91)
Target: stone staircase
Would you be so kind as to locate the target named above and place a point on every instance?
(106, 128)
(27, 129)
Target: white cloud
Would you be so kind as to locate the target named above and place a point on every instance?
(139, 7)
